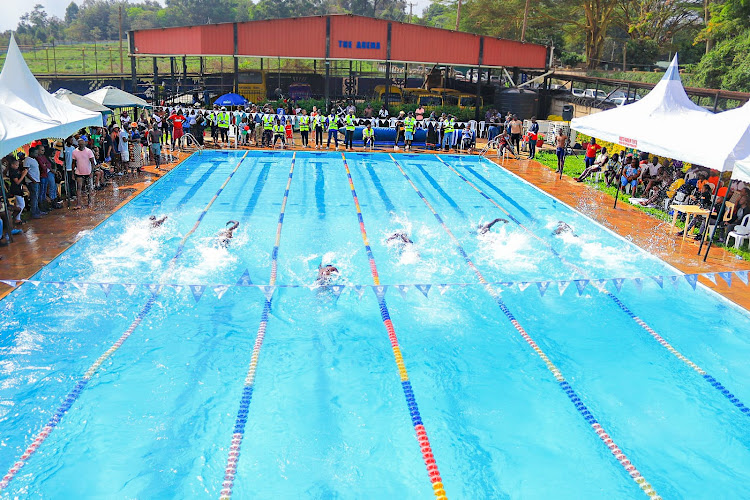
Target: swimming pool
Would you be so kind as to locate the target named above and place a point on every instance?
(476, 390)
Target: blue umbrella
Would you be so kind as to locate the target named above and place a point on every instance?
(230, 99)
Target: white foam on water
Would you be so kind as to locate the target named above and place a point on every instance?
(509, 249)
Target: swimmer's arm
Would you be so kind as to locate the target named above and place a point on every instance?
(489, 226)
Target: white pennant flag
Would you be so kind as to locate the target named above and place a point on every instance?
(524, 285)
(177, 289)
(742, 275)
(220, 290)
(129, 287)
(402, 290)
(442, 287)
(710, 276)
(601, 284)
(425, 289)
(106, 288)
(675, 281)
(197, 291)
(9, 282)
(82, 287)
(562, 286)
(268, 291)
(360, 289)
(154, 288)
(36, 283)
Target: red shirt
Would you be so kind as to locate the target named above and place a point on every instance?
(591, 150)
(177, 121)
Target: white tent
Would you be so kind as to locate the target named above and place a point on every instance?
(17, 129)
(80, 101)
(115, 98)
(48, 117)
(665, 122)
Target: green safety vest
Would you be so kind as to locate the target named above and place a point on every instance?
(278, 129)
(449, 124)
(333, 123)
(223, 120)
(267, 122)
(304, 123)
(410, 124)
(350, 122)
(368, 132)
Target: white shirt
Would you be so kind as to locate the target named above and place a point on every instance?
(33, 167)
(69, 158)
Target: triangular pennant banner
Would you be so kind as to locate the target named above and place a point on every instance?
(36, 283)
(523, 285)
(710, 276)
(692, 280)
(360, 289)
(507, 284)
(380, 291)
(106, 288)
(581, 285)
(177, 289)
(675, 280)
(562, 286)
(618, 283)
(638, 283)
(82, 287)
(726, 276)
(268, 291)
(245, 279)
(197, 291)
(220, 290)
(425, 289)
(442, 287)
(9, 282)
(59, 284)
(659, 280)
(129, 287)
(336, 290)
(154, 288)
(742, 275)
(402, 289)
(542, 286)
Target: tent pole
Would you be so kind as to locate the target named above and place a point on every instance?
(9, 227)
(710, 211)
(716, 226)
(619, 184)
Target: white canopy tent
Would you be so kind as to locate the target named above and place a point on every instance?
(115, 98)
(80, 101)
(20, 91)
(17, 129)
(665, 122)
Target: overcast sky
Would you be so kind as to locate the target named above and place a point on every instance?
(12, 10)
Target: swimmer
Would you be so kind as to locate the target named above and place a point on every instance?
(400, 237)
(227, 234)
(156, 222)
(483, 228)
(563, 228)
(325, 274)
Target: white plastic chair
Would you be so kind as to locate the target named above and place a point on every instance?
(482, 126)
(740, 233)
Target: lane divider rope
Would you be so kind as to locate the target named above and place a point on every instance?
(230, 470)
(416, 418)
(647, 488)
(73, 395)
(661, 340)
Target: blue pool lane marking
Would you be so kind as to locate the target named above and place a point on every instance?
(662, 341)
(564, 384)
(230, 470)
(73, 395)
(416, 418)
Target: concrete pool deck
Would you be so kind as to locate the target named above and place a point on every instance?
(46, 238)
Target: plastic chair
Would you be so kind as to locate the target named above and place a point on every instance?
(740, 232)
(482, 126)
(728, 215)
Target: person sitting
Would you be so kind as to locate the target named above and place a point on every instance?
(368, 137)
(468, 139)
(614, 165)
(226, 235)
(485, 228)
(601, 159)
(630, 175)
(154, 222)
(504, 146)
(717, 214)
(702, 199)
(326, 274)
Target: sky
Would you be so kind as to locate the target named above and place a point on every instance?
(12, 10)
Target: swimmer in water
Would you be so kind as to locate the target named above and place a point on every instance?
(225, 235)
(156, 222)
(562, 227)
(325, 274)
(401, 238)
(486, 227)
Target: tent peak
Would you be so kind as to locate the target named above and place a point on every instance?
(673, 71)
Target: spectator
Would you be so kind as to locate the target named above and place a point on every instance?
(419, 113)
(32, 166)
(154, 140)
(492, 131)
(383, 114)
(591, 149)
(533, 136)
(630, 175)
(83, 158)
(17, 181)
(601, 160)
(136, 150)
(68, 162)
(613, 169)
(367, 113)
(123, 149)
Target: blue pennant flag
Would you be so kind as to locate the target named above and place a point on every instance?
(106, 288)
(675, 280)
(742, 275)
(360, 289)
(245, 279)
(268, 291)
(336, 290)
(425, 289)
(659, 280)
(638, 283)
(581, 285)
(380, 291)
(692, 280)
(542, 287)
(726, 276)
(618, 283)
(197, 291)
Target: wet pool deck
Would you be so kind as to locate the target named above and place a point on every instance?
(46, 238)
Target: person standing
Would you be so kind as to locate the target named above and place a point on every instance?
(448, 126)
(516, 129)
(17, 178)
(319, 120)
(333, 130)
(561, 141)
(44, 170)
(304, 128)
(410, 125)
(349, 134)
(223, 125)
(268, 120)
(178, 120)
(154, 140)
(32, 166)
(123, 147)
(533, 136)
(68, 162)
(591, 149)
(84, 165)
(419, 113)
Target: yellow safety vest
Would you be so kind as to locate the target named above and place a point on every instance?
(267, 122)
(368, 132)
(333, 123)
(350, 122)
(449, 124)
(223, 120)
(278, 129)
(410, 124)
(304, 123)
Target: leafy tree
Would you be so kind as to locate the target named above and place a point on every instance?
(38, 26)
(727, 66)
(71, 11)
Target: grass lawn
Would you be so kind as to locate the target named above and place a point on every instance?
(574, 166)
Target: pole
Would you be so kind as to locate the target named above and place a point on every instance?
(96, 61)
(122, 63)
(5, 204)
(479, 78)
(525, 19)
(711, 239)
(83, 59)
(327, 87)
(619, 184)
(54, 56)
(710, 211)
(156, 82)
(46, 53)
(458, 14)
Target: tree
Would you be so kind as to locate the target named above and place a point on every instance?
(204, 11)
(71, 11)
(38, 26)
(657, 20)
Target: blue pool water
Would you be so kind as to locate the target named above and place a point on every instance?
(328, 416)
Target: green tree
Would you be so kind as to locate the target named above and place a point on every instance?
(71, 11)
